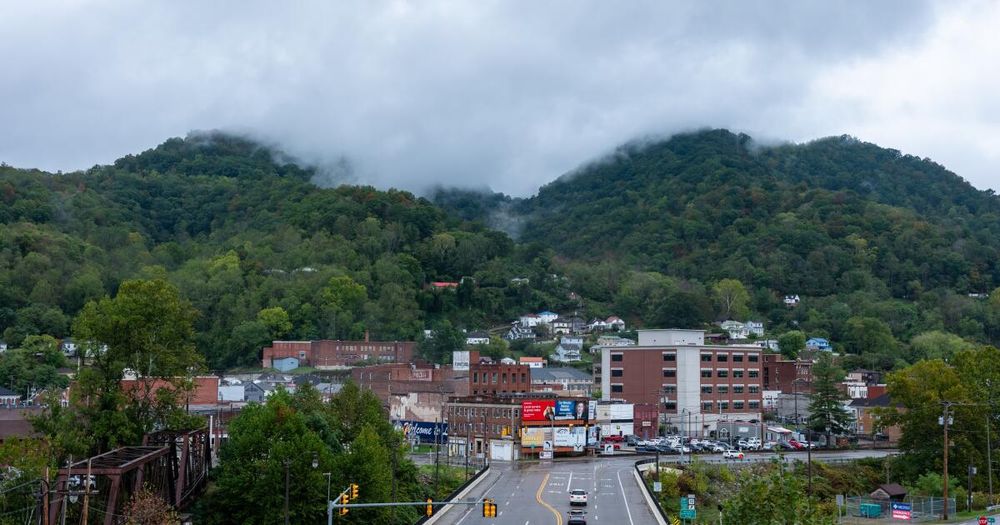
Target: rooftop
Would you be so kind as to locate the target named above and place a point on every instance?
(559, 374)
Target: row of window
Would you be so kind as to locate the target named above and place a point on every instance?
(486, 411)
(721, 357)
(480, 427)
(708, 406)
(724, 389)
(722, 373)
(484, 377)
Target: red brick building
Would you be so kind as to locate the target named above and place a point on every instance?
(785, 375)
(487, 379)
(327, 354)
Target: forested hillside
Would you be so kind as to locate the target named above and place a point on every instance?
(882, 247)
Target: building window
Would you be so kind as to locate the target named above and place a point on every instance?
(505, 378)
(706, 389)
(722, 373)
(721, 358)
(723, 405)
(753, 358)
(475, 377)
(706, 373)
(706, 406)
(723, 389)
(616, 389)
(669, 389)
(706, 358)
(670, 372)
(737, 373)
(737, 389)
(755, 404)
(737, 358)
(494, 378)
(616, 372)
(670, 405)
(524, 377)
(669, 357)
(616, 357)
(754, 373)
(737, 405)
(754, 389)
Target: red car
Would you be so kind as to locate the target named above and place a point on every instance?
(796, 445)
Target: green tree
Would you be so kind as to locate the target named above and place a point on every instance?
(937, 345)
(147, 329)
(275, 319)
(872, 339)
(774, 497)
(826, 406)
(732, 299)
(791, 343)
(444, 339)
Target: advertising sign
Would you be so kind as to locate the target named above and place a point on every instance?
(422, 431)
(568, 409)
(537, 410)
(592, 411)
(901, 511)
(533, 437)
(460, 360)
(571, 437)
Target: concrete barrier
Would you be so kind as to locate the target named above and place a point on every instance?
(458, 494)
(650, 498)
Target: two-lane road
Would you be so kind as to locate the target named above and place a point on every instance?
(538, 494)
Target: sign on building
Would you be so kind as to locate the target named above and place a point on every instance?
(460, 360)
(537, 410)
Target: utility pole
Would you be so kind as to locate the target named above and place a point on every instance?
(944, 490)
(989, 458)
(86, 496)
(286, 492)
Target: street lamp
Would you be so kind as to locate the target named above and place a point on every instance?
(287, 463)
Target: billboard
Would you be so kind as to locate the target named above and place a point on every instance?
(460, 360)
(571, 409)
(533, 436)
(540, 410)
(566, 437)
(422, 431)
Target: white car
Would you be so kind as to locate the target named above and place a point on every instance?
(578, 497)
(732, 454)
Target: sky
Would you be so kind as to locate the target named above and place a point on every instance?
(506, 95)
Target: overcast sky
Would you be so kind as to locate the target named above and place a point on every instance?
(502, 94)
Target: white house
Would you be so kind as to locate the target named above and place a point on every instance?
(768, 344)
(615, 323)
(532, 362)
(530, 320)
(547, 317)
(568, 350)
(755, 327)
(792, 300)
(3, 346)
(736, 329)
(598, 325)
(68, 347)
(477, 338)
(517, 332)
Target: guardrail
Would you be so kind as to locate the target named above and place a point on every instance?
(460, 492)
(651, 498)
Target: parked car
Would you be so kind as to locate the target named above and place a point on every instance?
(577, 497)
(796, 445)
(577, 517)
(732, 454)
(719, 447)
(631, 440)
(754, 443)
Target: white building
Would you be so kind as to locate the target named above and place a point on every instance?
(755, 327)
(568, 350)
(547, 317)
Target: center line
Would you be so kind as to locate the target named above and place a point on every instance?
(538, 498)
(568, 482)
(623, 498)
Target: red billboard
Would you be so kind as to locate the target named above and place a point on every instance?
(537, 410)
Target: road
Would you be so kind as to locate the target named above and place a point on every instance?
(538, 494)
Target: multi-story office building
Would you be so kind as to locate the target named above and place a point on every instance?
(696, 385)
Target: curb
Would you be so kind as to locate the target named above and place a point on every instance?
(461, 494)
(657, 511)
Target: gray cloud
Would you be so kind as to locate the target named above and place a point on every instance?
(504, 94)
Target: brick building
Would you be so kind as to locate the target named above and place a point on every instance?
(697, 385)
(328, 354)
(492, 378)
(787, 376)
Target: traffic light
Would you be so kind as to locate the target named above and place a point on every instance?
(430, 507)
(345, 498)
(489, 508)
(354, 491)
(343, 511)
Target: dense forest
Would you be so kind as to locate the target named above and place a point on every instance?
(882, 247)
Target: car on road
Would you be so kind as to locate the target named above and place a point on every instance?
(732, 454)
(796, 445)
(577, 517)
(718, 447)
(577, 497)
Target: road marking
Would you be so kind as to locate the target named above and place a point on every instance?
(571, 481)
(623, 498)
(538, 498)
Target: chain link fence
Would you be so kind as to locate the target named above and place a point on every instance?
(858, 510)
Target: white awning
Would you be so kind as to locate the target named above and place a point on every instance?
(779, 430)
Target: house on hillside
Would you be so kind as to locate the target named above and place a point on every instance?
(530, 320)
(547, 317)
(791, 300)
(517, 332)
(477, 338)
(818, 344)
(569, 325)
(866, 422)
(598, 325)
(69, 347)
(568, 350)
(3, 346)
(9, 398)
(532, 362)
(735, 329)
(613, 323)
(755, 328)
